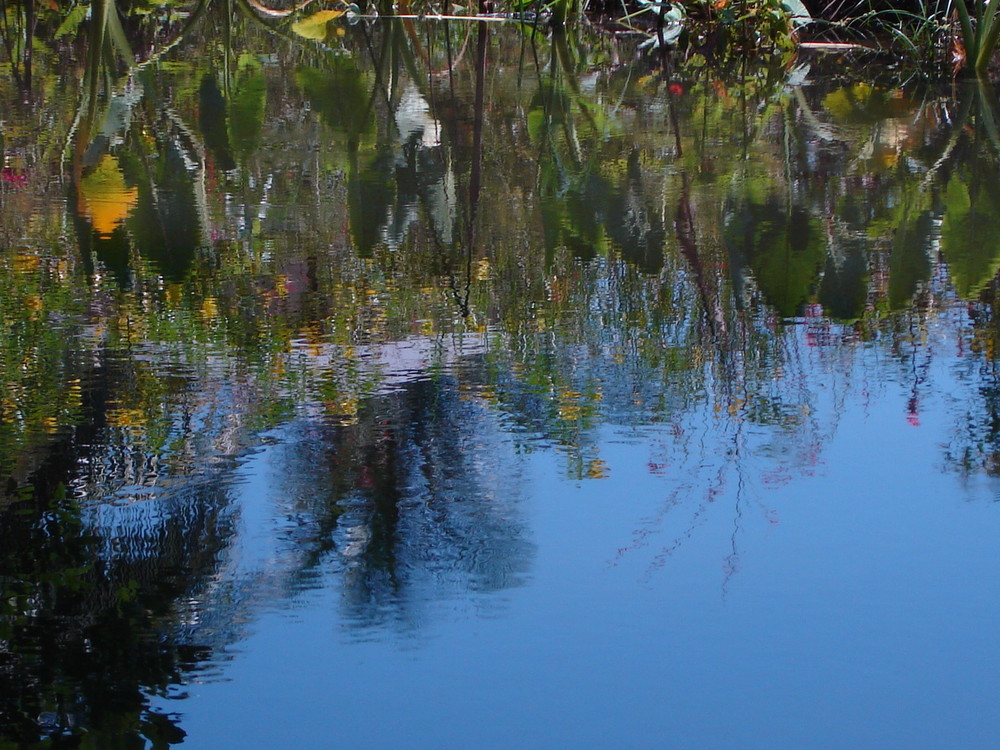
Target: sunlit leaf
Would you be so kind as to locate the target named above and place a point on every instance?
(859, 103)
(107, 200)
(72, 21)
(315, 26)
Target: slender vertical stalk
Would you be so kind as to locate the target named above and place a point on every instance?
(475, 176)
(991, 33)
(30, 20)
(97, 34)
(9, 45)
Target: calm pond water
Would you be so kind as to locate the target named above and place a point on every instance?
(429, 386)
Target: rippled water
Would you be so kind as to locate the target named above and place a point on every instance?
(410, 386)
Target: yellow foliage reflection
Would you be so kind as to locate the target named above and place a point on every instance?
(107, 200)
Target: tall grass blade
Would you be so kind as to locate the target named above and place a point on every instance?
(968, 38)
(988, 42)
(987, 98)
(980, 15)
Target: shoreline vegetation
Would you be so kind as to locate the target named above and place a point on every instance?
(935, 38)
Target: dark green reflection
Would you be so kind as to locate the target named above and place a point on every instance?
(784, 249)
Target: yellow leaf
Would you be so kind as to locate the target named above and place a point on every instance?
(483, 269)
(107, 200)
(314, 26)
(597, 469)
(209, 308)
(174, 294)
(26, 262)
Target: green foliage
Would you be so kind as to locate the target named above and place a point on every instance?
(909, 264)
(213, 122)
(371, 190)
(561, 11)
(203, 309)
(74, 17)
(341, 94)
(785, 249)
(246, 108)
(970, 234)
(843, 290)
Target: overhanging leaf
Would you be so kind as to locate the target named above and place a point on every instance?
(72, 21)
(314, 26)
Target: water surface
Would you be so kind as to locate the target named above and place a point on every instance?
(436, 386)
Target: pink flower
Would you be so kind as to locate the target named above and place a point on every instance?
(13, 176)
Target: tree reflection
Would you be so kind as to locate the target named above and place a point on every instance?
(413, 499)
(585, 198)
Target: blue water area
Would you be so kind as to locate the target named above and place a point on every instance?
(718, 587)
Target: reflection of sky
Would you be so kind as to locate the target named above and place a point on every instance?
(692, 598)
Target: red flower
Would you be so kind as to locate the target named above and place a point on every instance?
(676, 89)
(13, 176)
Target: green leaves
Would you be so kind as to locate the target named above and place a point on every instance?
(784, 247)
(909, 264)
(246, 110)
(340, 95)
(970, 235)
(72, 21)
